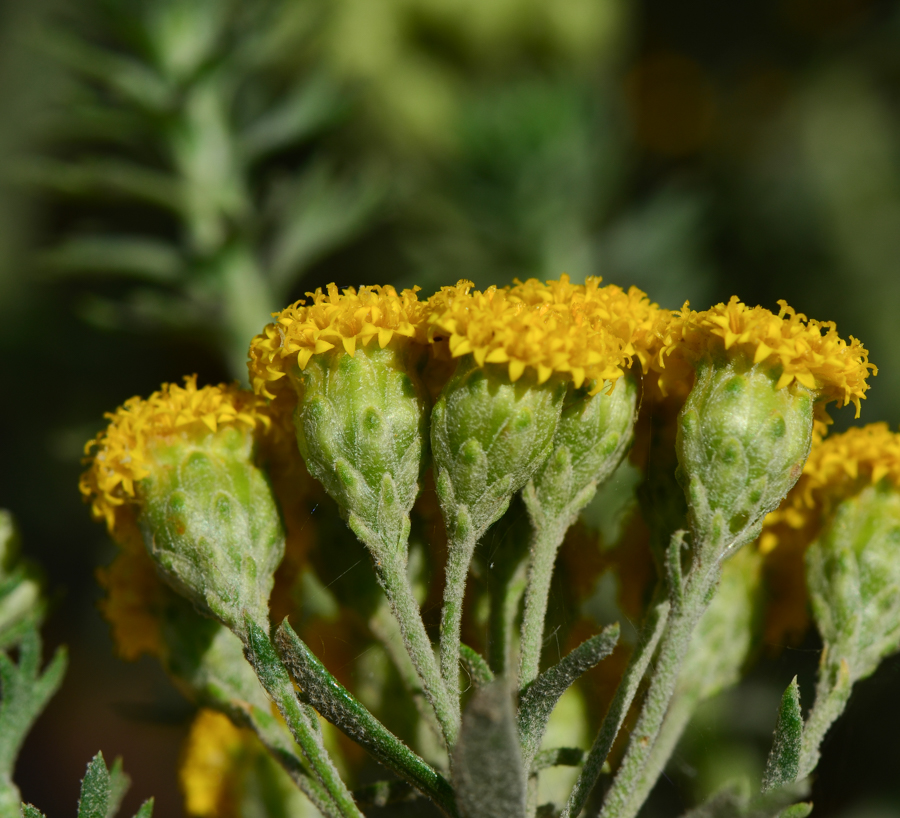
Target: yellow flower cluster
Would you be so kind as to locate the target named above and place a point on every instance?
(808, 351)
(118, 456)
(212, 751)
(629, 315)
(552, 328)
(333, 319)
(836, 468)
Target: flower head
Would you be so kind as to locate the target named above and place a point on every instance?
(333, 319)
(837, 467)
(807, 351)
(552, 328)
(119, 455)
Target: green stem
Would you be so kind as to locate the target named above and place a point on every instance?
(679, 714)
(395, 581)
(269, 732)
(673, 647)
(618, 709)
(545, 544)
(299, 718)
(832, 694)
(460, 554)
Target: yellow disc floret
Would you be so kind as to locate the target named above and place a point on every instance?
(332, 319)
(837, 467)
(804, 350)
(529, 325)
(119, 457)
(629, 315)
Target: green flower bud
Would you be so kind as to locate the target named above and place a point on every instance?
(361, 428)
(210, 522)
(853, 575)
(488, 437)
(741, 445)
(182, 464)
(593, 434)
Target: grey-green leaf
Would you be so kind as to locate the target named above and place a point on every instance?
(118, 786)
(146, 810)
(29, 811)
(783, 765)
(95, 790)
(537, 701)
(489, 776)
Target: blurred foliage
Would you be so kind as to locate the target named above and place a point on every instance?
(173, 171)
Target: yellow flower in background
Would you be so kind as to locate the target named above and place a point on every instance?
(119, 455)
(334, 319)
(209, 766)
(807, 351)
(527, 326)
(134, 596)
(837, 467)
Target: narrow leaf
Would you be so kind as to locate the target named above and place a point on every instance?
(487, 762)
(118, 786)
(475, 665)
(784, 759)
(537, 701)
(30, 811)
(95, 790)
(330, 698)
(25, 694)
(146, 810)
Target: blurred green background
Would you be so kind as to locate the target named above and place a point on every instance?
(173, 170)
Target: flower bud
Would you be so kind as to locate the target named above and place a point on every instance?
(853, 575)
(593, 435)
(360, 423)
(746, 427)
(186, 457)
(488, 435)
(741, 446)
(346, 362)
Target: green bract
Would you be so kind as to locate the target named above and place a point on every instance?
(488, 436)
(211, 524)
(361, 428)
(593, 434)
(741, 446)
(853, 575)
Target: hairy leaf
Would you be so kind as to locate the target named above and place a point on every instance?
(784, 759)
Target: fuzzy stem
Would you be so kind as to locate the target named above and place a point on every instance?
(270, 735)
(673, 647)
(545, 544)
(678, 715)
(395, 581)
(618, 709)
(832, 694)
(300, 719)
(460, 555)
